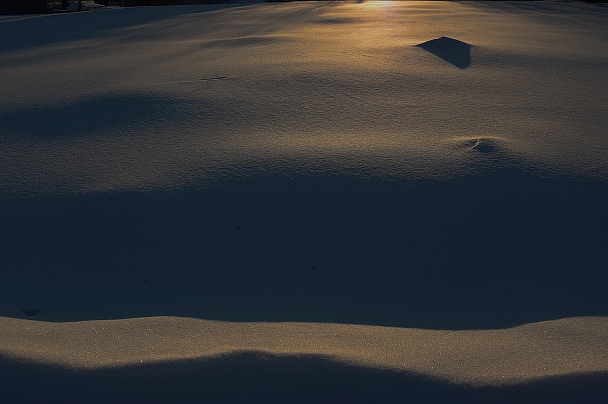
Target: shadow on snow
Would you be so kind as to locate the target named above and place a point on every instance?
(486, 251)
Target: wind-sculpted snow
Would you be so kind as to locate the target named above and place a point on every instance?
(166, 359)
(329, 140)
(93, 117)
(350, 169)
(183, 97)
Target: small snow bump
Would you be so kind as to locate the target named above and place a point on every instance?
(480, 144)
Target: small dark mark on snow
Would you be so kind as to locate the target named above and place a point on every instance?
(30, 312)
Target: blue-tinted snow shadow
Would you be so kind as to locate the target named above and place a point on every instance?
(44, 30)
(91, 115)
(536, 8)
(587, 15)
(256, 377)
(486, 251)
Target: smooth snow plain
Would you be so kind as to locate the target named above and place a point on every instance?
(306, 201)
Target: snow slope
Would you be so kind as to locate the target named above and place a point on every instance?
(338, 186)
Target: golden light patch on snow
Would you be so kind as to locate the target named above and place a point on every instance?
(477, 357)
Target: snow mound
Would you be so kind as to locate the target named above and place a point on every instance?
(482, 144)
(451, 50)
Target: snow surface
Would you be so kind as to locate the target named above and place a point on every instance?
(435, 165)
